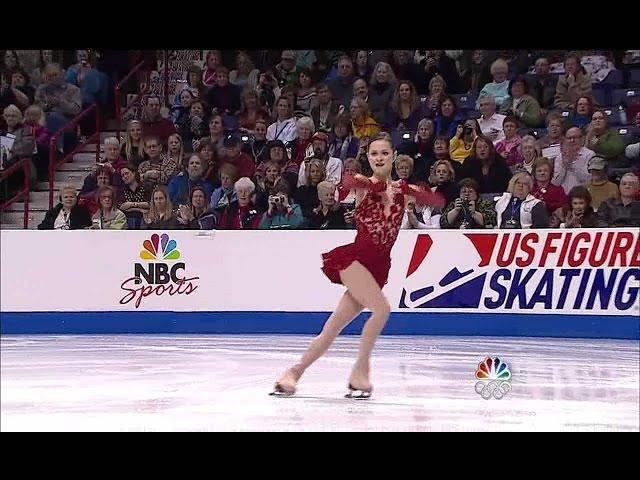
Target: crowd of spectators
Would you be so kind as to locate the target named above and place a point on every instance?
(254, 140)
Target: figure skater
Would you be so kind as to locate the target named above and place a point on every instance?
(363, 266)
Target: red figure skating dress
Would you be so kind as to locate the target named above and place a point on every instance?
(377, 233)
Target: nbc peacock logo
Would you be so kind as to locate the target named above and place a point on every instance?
(160, 273)
(495, 378)
(168, 248)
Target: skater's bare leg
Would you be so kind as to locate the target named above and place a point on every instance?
(365, 290)
(348, 308)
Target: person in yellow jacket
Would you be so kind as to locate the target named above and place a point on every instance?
(363, 124)
(461, 144)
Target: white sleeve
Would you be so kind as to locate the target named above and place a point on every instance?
(559, 171)
(582, 171)
(632, 151)
(271, 132)
(301, 179)
(291, 133)
(334, 170)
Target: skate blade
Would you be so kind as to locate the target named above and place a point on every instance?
(358, 395)
(278, 391)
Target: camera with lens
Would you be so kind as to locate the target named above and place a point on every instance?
(466, 130)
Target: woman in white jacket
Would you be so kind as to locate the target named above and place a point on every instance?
(517, 208)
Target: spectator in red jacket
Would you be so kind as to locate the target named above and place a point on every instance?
(242, 214)
(553, 196)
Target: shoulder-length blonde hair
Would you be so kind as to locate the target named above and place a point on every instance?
(154, 214)
(522, 176)
(307, 171)
(128, 147)
(392, 76)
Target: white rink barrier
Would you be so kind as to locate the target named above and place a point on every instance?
(574, 283)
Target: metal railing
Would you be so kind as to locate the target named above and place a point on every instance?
(137, 68)
(23, 193)
(53, 150)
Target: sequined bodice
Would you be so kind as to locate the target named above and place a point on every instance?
(374, 225)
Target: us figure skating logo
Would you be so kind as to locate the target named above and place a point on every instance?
(457, 287)
(156, 276)
(495, 378)
(579, 272)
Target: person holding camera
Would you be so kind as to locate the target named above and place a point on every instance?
(468, 211)
(281, 213)
(461, 144)
(268, 90)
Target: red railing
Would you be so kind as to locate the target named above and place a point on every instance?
(116, 94)
(117, 89)
(53, 149)
(26, 188)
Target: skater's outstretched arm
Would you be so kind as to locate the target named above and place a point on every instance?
(422, 197)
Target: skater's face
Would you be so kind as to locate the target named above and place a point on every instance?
(380, 155)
